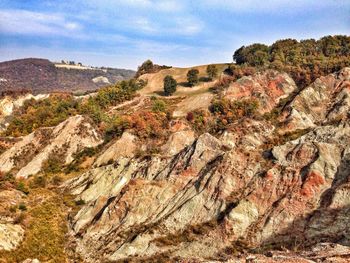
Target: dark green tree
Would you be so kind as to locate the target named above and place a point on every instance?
(192, 76)
(212, 71)
(169, 85)
(146, 67)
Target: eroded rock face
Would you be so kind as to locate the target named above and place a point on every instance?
(28, 155)
(268, 87)
(326, 100)
(123, 147)
(200, 200)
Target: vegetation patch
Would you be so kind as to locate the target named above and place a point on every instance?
(45, 234)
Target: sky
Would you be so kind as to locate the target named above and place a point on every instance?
(124, 33)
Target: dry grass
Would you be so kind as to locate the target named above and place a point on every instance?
(155, 80)
(45, 229)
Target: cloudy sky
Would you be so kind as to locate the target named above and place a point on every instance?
(124, 33)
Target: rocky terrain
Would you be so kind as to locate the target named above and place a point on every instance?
(273, 186)
(42, 76)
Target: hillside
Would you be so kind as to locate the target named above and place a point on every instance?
(262, 167)
(42, 76)
(251, 166)
(155, 80)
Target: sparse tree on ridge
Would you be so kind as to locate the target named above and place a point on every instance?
(169, 85)
(212, 71)
(192, 77)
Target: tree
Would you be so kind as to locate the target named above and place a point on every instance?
(212, 71)
(146, 67)
(169, 85)
(192, 76)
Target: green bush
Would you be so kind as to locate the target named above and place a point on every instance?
(22, 207)
(21, 186)
(212, 71)
(169, 85)
(116, 126)
(192, 77)
(159, 106)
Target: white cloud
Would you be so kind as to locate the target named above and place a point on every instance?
(187, 26)
(152, 5)
(269, 5)
(72, 26)
(16, 21)
(143, 24)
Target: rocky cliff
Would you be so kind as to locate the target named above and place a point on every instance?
(27, 156)
(227, 193)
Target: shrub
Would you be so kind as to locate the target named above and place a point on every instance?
(7, 181)
(56, 180)
(159, 106)
(39, 181)
(227, 112)
(53, 164)
(198, 120)
(149, 67)
(222, 84)
(22, 207)
(212, 71)
(79, 202)
(21, 186)
(148, 124)
(190, 116)
(192, 77)
(13, 209)
(169, 85)
(58, 107)
(116, 126)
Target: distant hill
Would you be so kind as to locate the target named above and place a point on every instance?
(42, 76)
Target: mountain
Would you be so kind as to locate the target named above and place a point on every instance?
(42, 76)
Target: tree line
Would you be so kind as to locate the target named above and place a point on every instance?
(304, 60)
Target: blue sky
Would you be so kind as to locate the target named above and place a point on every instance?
(124, 33)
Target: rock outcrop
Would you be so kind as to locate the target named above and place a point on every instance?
(223, 194)
(326, 100)
(268, 87)
(27, 156)
(10, 236)
(123, 147)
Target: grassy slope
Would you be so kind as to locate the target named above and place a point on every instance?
(155, 80)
